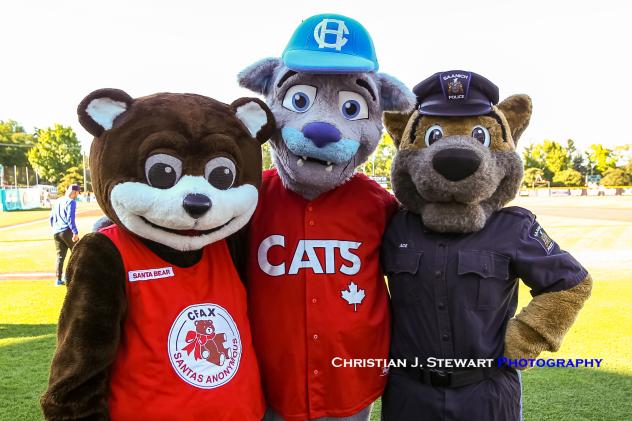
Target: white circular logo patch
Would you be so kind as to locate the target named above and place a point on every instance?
(204, 346)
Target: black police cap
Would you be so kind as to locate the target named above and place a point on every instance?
(456, 93)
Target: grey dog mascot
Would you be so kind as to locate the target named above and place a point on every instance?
(316, 291)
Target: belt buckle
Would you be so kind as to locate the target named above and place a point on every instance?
(441, 378)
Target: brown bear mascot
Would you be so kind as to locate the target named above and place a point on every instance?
(454, 255)
(177, 174)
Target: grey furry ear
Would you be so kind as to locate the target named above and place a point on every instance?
(394, 95)
(517, 110)
(258, 76)
(395, 123)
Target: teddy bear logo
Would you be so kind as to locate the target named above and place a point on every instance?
(205, 343)
(455, 87)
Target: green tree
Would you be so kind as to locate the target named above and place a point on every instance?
(615, 177)
(600, 158)
(568, 178)
(266, 156)
(14, 144)
(579, 164)
(382, 158)
(549, 156)
(73, 176)
(531, 175)
(56, 150)
(577, 161)
(556, 157)
(530, 161)
(628, 168)
(571, 148)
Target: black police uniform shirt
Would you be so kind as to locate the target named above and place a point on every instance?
(453, 294)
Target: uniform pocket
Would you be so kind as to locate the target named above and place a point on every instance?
(487, 275)
(402, 262)
(402, 269)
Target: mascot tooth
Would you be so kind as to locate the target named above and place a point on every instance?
(454, 255)
(154, 324)
(315, 287)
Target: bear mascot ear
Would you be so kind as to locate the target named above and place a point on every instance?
(99, 109)
(256, 117)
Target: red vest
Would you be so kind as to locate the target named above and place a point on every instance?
(186, 349)
(316, 292)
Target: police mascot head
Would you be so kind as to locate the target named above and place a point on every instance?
(457, 160)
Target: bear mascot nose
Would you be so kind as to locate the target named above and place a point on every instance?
(456, 164)
(321, 133)
(196, 204)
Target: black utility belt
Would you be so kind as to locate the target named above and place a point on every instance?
(456, 377)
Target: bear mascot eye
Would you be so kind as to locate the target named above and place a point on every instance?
(163, 171)
(220, 173)
(433, 134)
(481, 134)
(299, 98)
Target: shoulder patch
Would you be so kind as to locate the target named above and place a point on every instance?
(537, 233)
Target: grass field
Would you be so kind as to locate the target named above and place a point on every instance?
(29, 247)
(18, 217)
(599, 237)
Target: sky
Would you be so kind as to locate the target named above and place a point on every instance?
(572, 57)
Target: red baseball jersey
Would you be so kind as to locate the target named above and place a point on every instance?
(186, 349)
(316, 292)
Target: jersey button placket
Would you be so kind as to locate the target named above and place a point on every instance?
(311, 301)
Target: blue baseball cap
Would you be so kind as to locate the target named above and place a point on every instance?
(330, 43)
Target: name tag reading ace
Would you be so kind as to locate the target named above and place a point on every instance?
(150, 274)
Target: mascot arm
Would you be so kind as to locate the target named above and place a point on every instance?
(238, 249)
(88, 332)
(542, 324)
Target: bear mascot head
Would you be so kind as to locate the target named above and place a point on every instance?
(177, 169)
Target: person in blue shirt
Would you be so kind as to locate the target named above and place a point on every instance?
(65, 233)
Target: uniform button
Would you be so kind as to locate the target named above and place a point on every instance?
(309, 208)
(314, 300)
(437, 273)
(311, 223)
(315, 372)
(315, 337)
(441, 306)
(445, 337)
